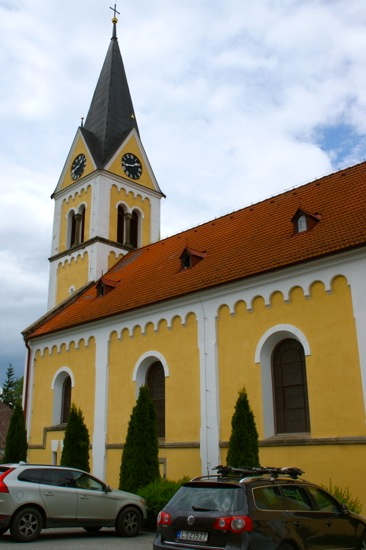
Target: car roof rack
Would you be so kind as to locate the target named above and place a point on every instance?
(227, 471)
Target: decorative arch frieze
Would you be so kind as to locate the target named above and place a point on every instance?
(72, 196)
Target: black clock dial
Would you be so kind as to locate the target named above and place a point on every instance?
(132, 166)
(78, 166)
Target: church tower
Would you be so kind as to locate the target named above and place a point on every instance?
(107, 200)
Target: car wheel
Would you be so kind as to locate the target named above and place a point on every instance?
(128, 522)
(26, 525)
(92, 529)
(363, 544)
(286, 546)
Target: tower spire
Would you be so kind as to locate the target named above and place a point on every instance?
(111, 115)
(114, 20)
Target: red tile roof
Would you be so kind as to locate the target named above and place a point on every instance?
(254, 240)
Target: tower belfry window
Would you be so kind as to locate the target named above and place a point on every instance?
(121, 225)
(77, 227)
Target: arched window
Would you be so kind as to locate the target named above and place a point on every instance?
(291, 406)
(120, 225)
(155, 381)
(76, 227)
(66, 400)
(134, 228)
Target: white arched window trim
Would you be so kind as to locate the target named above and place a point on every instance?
(263, 356)
(142, 366)
(57, 388)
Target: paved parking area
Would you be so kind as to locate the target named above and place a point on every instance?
(77, 539)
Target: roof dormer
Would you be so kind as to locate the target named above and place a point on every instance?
(303, 221)
(105, 286)
(190, 257)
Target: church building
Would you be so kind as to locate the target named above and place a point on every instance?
(270, 297)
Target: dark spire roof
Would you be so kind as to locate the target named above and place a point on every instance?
(111, 115)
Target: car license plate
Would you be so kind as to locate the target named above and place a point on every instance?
(192, 535)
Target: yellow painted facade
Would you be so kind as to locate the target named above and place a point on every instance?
(334, 384)
(334, 381)
(72, 275)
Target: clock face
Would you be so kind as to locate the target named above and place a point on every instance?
(78, 166)
(132, 166)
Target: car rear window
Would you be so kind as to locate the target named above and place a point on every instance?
(220, 498)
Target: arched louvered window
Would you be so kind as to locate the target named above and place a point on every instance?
(66, 400)
(156, 383)
(291, 404)
(134, 229)
(82, 225)
(76, 229)
(120, 225)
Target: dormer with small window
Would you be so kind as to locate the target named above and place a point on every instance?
(303, 221)
(105, 286)
(190, 257)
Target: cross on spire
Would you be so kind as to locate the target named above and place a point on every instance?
(115, 10)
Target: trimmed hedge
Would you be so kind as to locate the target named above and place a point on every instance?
(157, 494)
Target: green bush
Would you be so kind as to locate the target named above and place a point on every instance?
(344, 495)
(157, 494)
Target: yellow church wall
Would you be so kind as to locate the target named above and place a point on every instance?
(333, 370)
(73, 202)
(116, 166)
(72, 273)
(113, 259)
(178, 345)
(176, 463)
(78, 360)
(132, 201)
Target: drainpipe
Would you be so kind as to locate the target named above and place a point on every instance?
(26, 380)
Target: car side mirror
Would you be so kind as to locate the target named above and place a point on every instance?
(344, 508)
(107, 489)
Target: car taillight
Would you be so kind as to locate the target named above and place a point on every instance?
(236, 524)
(164, 518)
(3, 487)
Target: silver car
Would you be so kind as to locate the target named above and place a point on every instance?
(34, 497)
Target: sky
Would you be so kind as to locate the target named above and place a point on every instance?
(236, 101)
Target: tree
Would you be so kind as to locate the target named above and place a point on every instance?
(140, 456)
(8, 392)
(16, 446)
(243, 444)
(75, 453)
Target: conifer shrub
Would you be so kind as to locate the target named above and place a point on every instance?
(16, 446)
(157, 494)
(75, 453)
(344, 495)
(243, 444)
(140, 455)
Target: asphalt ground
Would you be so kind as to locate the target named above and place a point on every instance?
(77, 539)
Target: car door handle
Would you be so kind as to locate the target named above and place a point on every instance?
(84, 497)
(297, 523)
(328, 523)
(48, 494)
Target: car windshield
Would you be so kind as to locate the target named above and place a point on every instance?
(218, 498)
